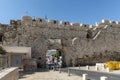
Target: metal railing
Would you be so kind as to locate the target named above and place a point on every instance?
(3, 62)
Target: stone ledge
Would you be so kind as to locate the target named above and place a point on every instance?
(9, 74)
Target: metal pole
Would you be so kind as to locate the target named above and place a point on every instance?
(68, 72)
(79, 66)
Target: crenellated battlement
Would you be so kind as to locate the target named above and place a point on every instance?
(42, 22)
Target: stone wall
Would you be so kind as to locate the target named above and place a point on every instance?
(9, 74)
(77, 40)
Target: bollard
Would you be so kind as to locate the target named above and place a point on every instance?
(103, 78)
(107, 69)
(103, 68)
(68, 72)
(79, 66)
(96, 68)
(87, 67)
(84, 76)
(59, 69)
(53, 68)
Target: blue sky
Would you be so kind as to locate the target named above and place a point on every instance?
(82, 11)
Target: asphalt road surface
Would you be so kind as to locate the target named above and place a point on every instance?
(93, 75)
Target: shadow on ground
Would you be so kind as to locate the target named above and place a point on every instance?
(23, 73)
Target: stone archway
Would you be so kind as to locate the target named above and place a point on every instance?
(57, 45)
(41, 45)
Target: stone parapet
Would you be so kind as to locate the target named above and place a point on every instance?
(9, 74)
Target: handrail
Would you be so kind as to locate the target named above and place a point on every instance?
(98, 33)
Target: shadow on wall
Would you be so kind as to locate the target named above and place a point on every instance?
(98, 57)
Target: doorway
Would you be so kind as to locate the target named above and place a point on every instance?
(55, 54)
(16, 61)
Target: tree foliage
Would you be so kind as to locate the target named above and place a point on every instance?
(58, 53)
(2, 51)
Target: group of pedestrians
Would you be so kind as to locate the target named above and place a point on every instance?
(54, 62)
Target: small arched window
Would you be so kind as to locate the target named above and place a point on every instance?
(55, 22)
(85, 25)
(65, 23)
(40, 20)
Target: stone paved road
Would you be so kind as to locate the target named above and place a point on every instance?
(47, 75)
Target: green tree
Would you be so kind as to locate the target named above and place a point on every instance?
(2, 51)
(56, 54)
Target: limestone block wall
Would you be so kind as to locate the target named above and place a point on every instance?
(9, 74)
(36, 33)
(108, 40)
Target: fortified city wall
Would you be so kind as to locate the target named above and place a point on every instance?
(78, 41)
